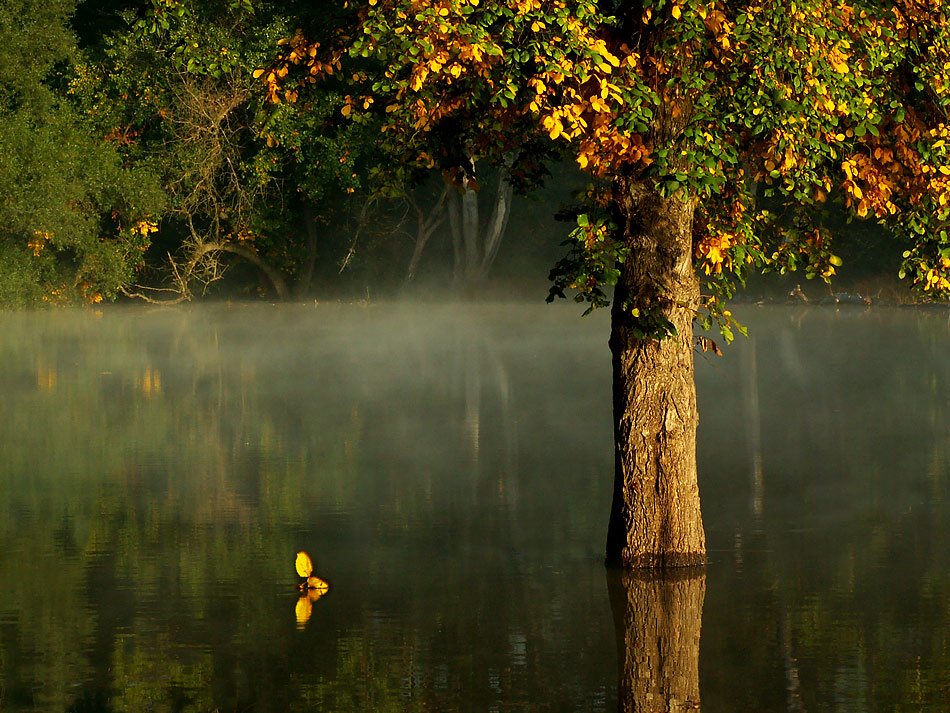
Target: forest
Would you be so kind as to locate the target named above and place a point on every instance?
(148, 153)
(164, 150)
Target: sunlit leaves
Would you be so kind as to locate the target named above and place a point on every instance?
(811, 105)
(303, 564)
(312, 589)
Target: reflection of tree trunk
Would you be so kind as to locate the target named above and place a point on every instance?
(753, 421)
(658, 617)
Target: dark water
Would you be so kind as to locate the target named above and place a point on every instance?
(449, 471)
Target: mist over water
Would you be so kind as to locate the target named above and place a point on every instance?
(448, 468)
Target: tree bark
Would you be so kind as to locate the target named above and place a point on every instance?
(658, 620)
(655, 518)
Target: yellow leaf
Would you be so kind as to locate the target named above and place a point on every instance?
(317, 584)
(257, 73)
(945, 170)
(303, 564)
(677, 12)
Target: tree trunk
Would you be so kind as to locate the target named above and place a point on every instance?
(495, 230)
(658, 620)
(655, 518)
(426, 224)
(305, 276)
(470, 232)
(272, 274)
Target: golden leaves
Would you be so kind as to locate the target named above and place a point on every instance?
(869, 183)
(38, 242)
(316, 584)
(312, 589)
(145, 228)
(315, 63)
(713, 249)
(303, 564)
(606, 148)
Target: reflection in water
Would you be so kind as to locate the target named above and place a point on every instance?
(658, 618)
(451, 472)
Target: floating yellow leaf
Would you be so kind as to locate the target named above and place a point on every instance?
(304, 564)
(317, 584)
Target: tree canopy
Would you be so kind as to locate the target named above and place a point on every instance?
(266, 123)
(766, 115)
(74, 221)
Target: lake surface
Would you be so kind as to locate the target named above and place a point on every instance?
(449, 471)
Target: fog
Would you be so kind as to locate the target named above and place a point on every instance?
(448, 467)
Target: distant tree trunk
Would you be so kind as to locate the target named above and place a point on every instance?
(454, 210)
(658, 620)
(475, 245)
(305, 277)
(426, 224)
(249, 254)
(495, 230)
(655, 517)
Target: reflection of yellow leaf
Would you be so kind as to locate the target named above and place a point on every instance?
(304, 564)
(303, 610)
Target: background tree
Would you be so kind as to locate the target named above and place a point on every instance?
(175, 84)
(73, 221)
(719, 134)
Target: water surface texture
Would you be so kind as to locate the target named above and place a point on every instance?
(449, 471)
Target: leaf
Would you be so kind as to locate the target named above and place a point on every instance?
(304, 564)
(317, 585)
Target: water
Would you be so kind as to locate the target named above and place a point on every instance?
(449, 471)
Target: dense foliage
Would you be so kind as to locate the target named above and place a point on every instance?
(769, 116)
(74, 221)
(180, 134)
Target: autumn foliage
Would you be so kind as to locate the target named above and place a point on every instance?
(765, 114)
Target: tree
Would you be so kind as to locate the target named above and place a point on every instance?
(174, 86)
(74, 221)
(718, 133)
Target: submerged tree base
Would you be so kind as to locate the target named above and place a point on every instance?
(656, 560)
